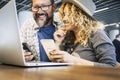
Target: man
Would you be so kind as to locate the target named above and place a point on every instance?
(116, 43)
(41, 27)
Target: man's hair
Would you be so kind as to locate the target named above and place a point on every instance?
(52, 1)
(117, 35)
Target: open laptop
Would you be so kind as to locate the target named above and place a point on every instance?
(11, 49)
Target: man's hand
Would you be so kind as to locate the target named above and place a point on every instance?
(28, 56)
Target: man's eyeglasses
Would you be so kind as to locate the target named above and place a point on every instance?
(44, 8)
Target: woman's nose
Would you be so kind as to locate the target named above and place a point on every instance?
(65, 19)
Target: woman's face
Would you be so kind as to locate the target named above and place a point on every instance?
(66, 19)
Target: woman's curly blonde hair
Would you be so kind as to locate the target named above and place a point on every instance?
(83, 22)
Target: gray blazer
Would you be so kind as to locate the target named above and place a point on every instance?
(100, 50)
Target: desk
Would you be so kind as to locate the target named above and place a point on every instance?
(59, 73)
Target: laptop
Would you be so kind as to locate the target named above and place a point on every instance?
(11, 49)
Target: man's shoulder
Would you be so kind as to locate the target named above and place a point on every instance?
(29, 21)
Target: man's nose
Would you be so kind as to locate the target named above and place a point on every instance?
(40, 10)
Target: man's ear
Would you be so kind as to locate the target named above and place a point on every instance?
(54, 6)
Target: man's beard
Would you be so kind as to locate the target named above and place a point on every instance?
(41, 23)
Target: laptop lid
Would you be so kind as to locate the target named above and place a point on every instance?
(10, 44)
(11, 50)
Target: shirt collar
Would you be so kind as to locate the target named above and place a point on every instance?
(48, 30)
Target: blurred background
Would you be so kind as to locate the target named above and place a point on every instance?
(107, 11)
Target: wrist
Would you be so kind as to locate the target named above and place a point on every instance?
(58, 45)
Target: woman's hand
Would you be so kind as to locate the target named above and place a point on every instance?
(59, 35)
(61, 56)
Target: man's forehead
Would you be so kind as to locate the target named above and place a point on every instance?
(41, 0)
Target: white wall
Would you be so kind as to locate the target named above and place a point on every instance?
(113, 33)
(23, 16)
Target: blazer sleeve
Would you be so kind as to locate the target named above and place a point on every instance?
(104, 49)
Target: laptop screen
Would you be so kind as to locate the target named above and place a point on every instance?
(10, 44)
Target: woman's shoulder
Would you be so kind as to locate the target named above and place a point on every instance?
(100, 33)
(100, 37)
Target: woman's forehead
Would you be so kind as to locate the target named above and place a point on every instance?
(67, 8)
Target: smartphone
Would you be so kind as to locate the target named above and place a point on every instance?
(48, 45)
(26, 47)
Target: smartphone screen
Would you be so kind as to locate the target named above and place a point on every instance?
(48, 45)
(26, 47)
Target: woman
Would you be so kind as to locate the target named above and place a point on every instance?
(82, 40)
